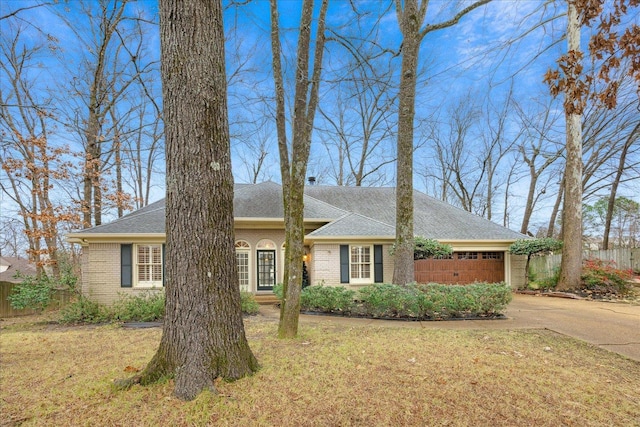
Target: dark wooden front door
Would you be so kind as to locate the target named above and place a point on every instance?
(266, 270)
(461, 268)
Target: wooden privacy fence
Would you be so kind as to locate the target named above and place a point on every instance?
(60, 298)
(625, 259)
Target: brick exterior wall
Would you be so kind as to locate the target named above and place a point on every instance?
(101, 274)
(326, 265)
(518, 263)
(100, 277)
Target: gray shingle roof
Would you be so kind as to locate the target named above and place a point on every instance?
(148, 220)
(348, 211)
(433, 218)
(265, 201)
(353, 224)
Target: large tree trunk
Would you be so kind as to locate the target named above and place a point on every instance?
(403, 272)
(203, 334)
(411, 15)
(571, 264)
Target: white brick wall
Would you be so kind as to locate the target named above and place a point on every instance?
(518, 263)
(101, 274)
(326, 262)
(100, 278)
(325, 259)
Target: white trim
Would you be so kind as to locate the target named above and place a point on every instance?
(362, 280)
(137, 283)
(244, 250)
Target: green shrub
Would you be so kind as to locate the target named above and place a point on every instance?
(435, 300)
(602, 276)
(84, 311)
(424, 248)
(549, 282)
(37, 293)
(384, 300)
(278, 289)
(31, 293)
(249, 303)
(148, 307)
(327, 299)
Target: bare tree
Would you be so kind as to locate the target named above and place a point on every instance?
(253, 147)
(539, 149)
(468, 152)
(632, 138)
(411, 15)
(34, 167)
(357, 128)
(608, 46)
(114, 60)
(293, 160)
(203, 335)
(13, 242)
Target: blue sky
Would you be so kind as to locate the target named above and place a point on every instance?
(480, 58)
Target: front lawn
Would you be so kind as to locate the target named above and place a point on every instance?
(332, 375)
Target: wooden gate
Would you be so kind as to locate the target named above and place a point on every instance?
(461, 268)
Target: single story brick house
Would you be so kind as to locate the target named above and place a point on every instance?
(349, 231)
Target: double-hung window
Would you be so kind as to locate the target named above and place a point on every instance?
(360, 264)
(149, 265)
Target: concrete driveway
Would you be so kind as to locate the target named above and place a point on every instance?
(612, 326)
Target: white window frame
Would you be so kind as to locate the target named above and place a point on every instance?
(243, 247)
(148, 283)
(360, 262)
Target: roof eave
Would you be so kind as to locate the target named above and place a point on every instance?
(84, 238)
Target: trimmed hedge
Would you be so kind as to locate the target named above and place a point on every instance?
(327, 299)
(418, 302)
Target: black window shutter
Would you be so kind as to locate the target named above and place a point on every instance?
(344, 263)
(163, 245)
(126, 265)
(377, 264)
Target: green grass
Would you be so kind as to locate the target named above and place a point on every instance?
(333, 374)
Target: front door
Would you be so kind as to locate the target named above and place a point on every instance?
(266, 269)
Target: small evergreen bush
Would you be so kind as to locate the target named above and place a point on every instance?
(84, 311)
(249, 304)
(148, 307)
(278, 289)
(547, 283)
(327, 299)
(385, 300)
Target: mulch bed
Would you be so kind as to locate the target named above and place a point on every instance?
(586, 294)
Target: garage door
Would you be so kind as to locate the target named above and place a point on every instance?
(461, 268)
